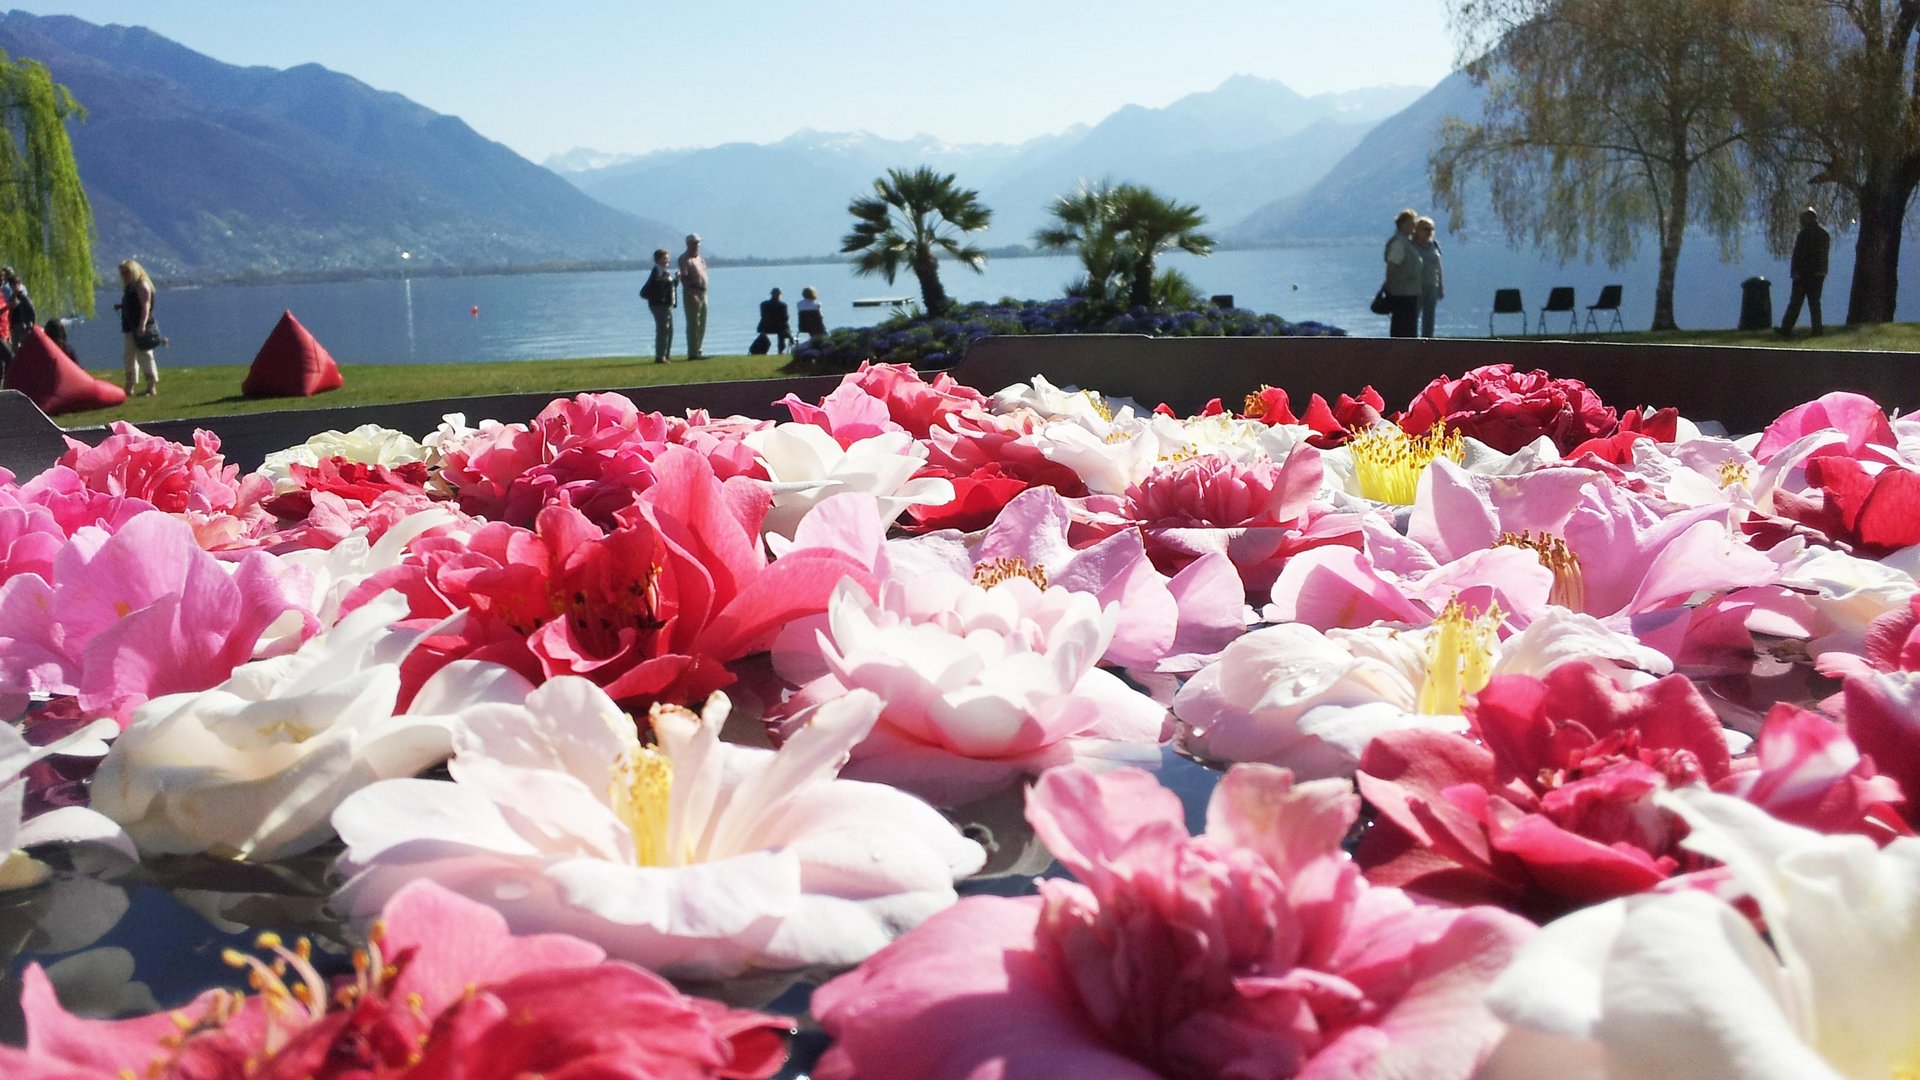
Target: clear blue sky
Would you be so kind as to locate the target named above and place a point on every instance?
(636, 75)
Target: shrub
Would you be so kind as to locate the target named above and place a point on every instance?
(927, 342)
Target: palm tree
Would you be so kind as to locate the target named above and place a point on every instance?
(1150, 224)
(1084, 223)
(914, 218)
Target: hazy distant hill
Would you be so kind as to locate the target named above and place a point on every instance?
(1385, 172)
(198, 166)
(1230, 150)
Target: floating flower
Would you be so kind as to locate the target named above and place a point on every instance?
(1554, 807)
(807, 465)
(65, 825)
(252, 768)
(984, 680)
(441, 990)
(1507, 409)
(693, 857)
(368, 444)
(1682, 984)
(1388, 463)
(138, 614)
(1311, 702)
(1255, 949)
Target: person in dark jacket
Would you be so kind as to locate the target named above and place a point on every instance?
(776, 320)
(1809, 271)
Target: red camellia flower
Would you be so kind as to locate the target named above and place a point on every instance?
(652, 611)
(1875, 511)
(1553, 809)
(352, 481)
(912, 402)
(1507, 409)
(978, 498)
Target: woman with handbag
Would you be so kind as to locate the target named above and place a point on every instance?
(1405, 272)
(137, 327)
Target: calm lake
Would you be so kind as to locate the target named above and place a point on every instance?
(552, 316)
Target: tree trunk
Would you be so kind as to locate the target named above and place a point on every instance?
(1142, 285)
(931, 291)
(1673, 232)
(1876, 253)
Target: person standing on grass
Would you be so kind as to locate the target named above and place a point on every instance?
(659, 294)
(136, 311)
(693, 295)
(1405, 271)
(1433, 276)
(1809, 272)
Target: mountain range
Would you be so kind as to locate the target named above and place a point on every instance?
(1232, 150)
(201, 167)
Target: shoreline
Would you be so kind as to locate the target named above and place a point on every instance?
(589, 266)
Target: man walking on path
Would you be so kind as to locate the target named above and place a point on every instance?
(693, 293)
(1405, 277)
(1809, 272)
(658, 292)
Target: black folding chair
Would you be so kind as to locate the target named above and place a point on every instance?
(1609, 301)
(1559, 302)
(1507, 302)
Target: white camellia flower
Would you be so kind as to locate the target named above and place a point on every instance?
(1292, 696)
(806, 465)
(62, 825)
(1848, 592)
(693, 857)
(253, 767)
(1055, 403)
(1682, 984)
(336, 571)
(368, 444)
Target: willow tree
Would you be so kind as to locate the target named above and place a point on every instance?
(1605, 120)
(1843, 132)
(46, 226)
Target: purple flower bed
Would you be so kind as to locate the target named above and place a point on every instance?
(928, 342)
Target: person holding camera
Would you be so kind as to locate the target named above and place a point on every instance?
(137, 327)
(659, 293)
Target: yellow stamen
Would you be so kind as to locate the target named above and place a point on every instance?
(1569, 581)
(642, 784)
(1100, 406)
(1735, 472)
(1387, 462)
(1255, 407)
(1459, 659)
(994, 571)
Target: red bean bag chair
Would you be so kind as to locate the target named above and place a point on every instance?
(44, 372)
(291, 364)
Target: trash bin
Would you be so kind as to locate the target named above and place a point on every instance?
(1756, 304)
(1223, 301)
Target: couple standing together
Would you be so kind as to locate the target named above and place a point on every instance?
(1416, 282)
(666, 289)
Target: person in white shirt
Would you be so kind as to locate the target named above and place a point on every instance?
(693, 296)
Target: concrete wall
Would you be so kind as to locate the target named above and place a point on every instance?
(1742, 388)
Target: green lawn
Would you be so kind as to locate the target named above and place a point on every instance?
(187, 392)
(1888, 337)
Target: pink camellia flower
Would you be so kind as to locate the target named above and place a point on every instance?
(1554, 808)
(1254, 950)
(140, 613)
(651, 611)
(441, 992)
(593, 452)
(1806, 771)
(849, 414)
(1257, 513)
(972, 441)
(1507, 409)
(172, 477)
(913, 403)
(1859, 418)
